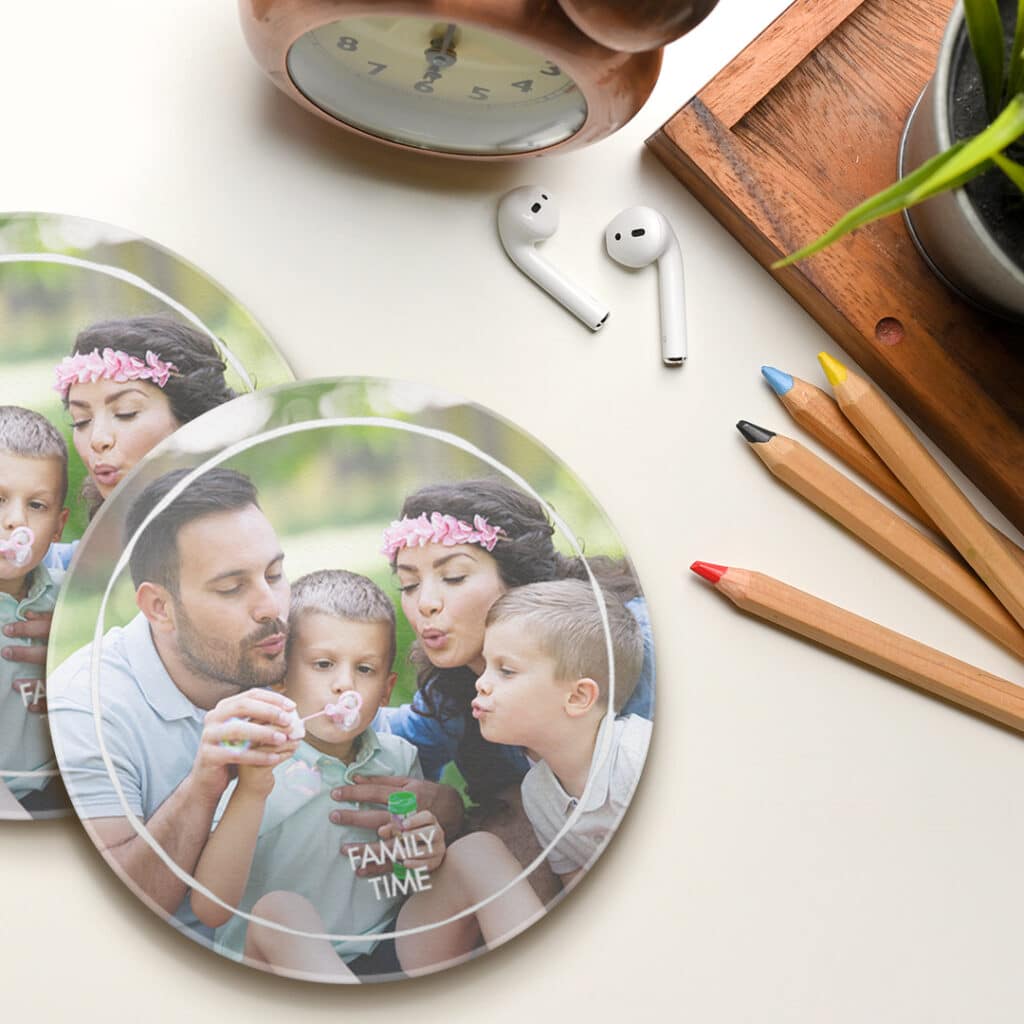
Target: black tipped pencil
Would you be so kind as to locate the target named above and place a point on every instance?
(883, 530)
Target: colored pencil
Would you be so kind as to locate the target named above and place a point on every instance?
(869, 643)
(818, 413)
(822, 418)
(889, 534)
(960, 522)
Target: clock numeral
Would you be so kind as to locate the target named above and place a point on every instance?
(524, 86)
(423, 87)
(550, 69)
(479, 93)
(377, 68)
(348, 43)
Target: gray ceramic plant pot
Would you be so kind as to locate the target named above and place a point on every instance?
(946, 229)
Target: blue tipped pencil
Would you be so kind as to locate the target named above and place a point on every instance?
(818, 413)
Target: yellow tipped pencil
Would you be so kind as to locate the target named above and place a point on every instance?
(945, 503)
(885, 531)
(869, 643)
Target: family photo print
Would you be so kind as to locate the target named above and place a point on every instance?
(352, 681)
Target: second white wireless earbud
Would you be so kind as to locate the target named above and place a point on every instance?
(529, 215)
(636, 238)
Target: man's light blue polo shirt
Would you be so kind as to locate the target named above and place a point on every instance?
(150, 728)
(298, 849)
(26, 756)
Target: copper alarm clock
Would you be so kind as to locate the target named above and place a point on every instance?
(485, 79)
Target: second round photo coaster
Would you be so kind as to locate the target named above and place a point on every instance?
(108, 343)
(351, 681)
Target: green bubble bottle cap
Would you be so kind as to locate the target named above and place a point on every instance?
(402, 803)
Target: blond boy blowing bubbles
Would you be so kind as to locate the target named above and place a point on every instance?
(547, 687)
(273, 854)
(33, 489)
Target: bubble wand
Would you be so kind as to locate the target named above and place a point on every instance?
(344, 713)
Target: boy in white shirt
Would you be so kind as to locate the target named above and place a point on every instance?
(547, 687)
(33, 488)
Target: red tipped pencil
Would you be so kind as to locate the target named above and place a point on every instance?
(869, 643)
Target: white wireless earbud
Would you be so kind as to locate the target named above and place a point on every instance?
(529, 215)
(636, 238)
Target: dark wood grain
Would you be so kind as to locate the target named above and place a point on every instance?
(804, 124)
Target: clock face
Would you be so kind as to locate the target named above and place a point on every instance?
(435, 85)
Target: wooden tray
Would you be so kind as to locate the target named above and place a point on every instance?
(803, 125)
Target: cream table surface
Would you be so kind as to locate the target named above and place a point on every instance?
(811, 842)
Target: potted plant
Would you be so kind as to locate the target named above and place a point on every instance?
(965, 137)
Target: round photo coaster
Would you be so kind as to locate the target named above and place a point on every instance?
(108, 343)
(351, 681)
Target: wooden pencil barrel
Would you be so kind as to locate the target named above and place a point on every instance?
(926, 480)
(875, 645)
(891, 536)
(818, 413)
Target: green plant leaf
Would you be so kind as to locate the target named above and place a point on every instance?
(1013, 170)
(1006, 128)
(985, 29)
(949, 170)
(1015, 76)
(882, 204)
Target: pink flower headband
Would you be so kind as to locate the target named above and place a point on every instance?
(110, 364)
(438, 529)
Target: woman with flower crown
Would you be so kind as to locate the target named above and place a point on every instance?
(456, 549)
(130, 383)
(127, 385)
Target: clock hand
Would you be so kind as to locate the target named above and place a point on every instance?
(441, 53)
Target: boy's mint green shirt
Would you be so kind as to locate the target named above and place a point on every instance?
(27, 763)
(299, 849)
